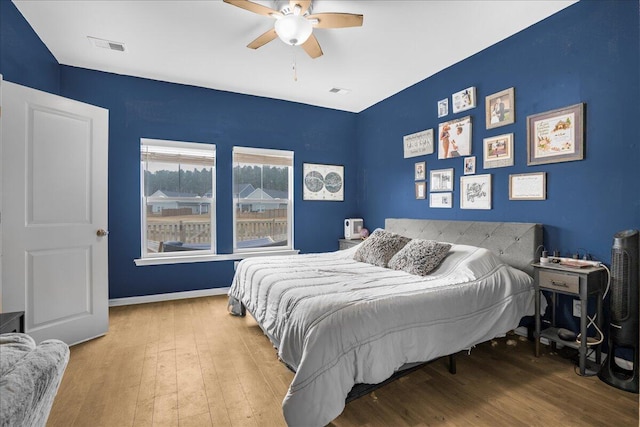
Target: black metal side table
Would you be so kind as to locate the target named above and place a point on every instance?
(12, 322)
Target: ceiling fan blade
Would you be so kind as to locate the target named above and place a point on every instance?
(304, 5)
(336, 20)
(312, 47)
(254, 7)
(263, 39)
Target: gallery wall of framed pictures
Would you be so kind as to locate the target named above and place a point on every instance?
(551, 137)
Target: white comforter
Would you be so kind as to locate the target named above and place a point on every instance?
(338, 322)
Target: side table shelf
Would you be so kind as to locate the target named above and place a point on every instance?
(582, 283)
(12, 322)
(348, 243)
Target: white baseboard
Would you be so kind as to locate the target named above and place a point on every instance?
(167, 297)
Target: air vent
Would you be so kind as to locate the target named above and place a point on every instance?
(116, 46)
(339, 91)
(106, 44)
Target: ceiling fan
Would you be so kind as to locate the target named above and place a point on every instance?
(294, 24)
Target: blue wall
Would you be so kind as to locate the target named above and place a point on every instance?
(141, 108)
(145, 108)
(587, 53)
(24, 59)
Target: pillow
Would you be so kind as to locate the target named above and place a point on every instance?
(419, 256)
(379, 247)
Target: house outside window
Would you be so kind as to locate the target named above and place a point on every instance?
(262, 200)
(178, 198)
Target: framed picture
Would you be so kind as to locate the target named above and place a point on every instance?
(421, 190)
(420, 171)
(454, 138)
(475, 192)
(323, 182)
(500, 108)
(443, 107)
(528, 186)
(556, 136)
(464, 100)
(470, 165)
(441, 180)
(418, 144)
(498, 151)
(440, 200)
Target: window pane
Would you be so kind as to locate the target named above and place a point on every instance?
(261, 223)
(261, 182)
(177, 180)
(261, 190)
(178, 186)
(178, 225)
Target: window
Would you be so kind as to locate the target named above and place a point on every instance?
(178, 198)
(262, 199)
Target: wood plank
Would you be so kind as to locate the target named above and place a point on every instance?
(189, 363)
(144, 413)
(165, 410)
(166, 379)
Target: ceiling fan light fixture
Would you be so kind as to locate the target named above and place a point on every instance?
(295, 23)
(293, 29)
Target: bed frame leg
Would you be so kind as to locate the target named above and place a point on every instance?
(236, 308)
(452, 363)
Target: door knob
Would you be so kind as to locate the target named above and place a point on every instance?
(101, 232)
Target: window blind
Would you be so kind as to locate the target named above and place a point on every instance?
(203, 155)
(264, 157)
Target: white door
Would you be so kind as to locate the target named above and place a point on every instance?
(54, 199)
(1, 311)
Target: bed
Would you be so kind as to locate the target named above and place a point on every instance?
(338, 322)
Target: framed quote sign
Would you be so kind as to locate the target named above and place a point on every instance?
(528, 186)
(418, 144)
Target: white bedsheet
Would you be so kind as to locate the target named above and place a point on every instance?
(338, 322)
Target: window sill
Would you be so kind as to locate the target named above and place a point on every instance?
(185, 259)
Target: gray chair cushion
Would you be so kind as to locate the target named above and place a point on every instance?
(29, 380)
(14, 347)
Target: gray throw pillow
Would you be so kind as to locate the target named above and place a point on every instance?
(420, 256)
(378, 248)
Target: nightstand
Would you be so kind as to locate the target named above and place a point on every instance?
(577, 282)
(348, 243)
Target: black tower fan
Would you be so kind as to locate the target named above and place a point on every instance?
(623, 327)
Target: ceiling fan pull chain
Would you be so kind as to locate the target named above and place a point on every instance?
(295, 71)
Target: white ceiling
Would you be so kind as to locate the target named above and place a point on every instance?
(203, 43)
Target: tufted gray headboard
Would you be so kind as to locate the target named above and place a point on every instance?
(515, 243)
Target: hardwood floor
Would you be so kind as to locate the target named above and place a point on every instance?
(189, 363)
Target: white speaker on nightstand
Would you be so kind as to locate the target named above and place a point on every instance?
(352, 227)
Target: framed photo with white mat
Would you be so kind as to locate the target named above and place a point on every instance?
(475, 192)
